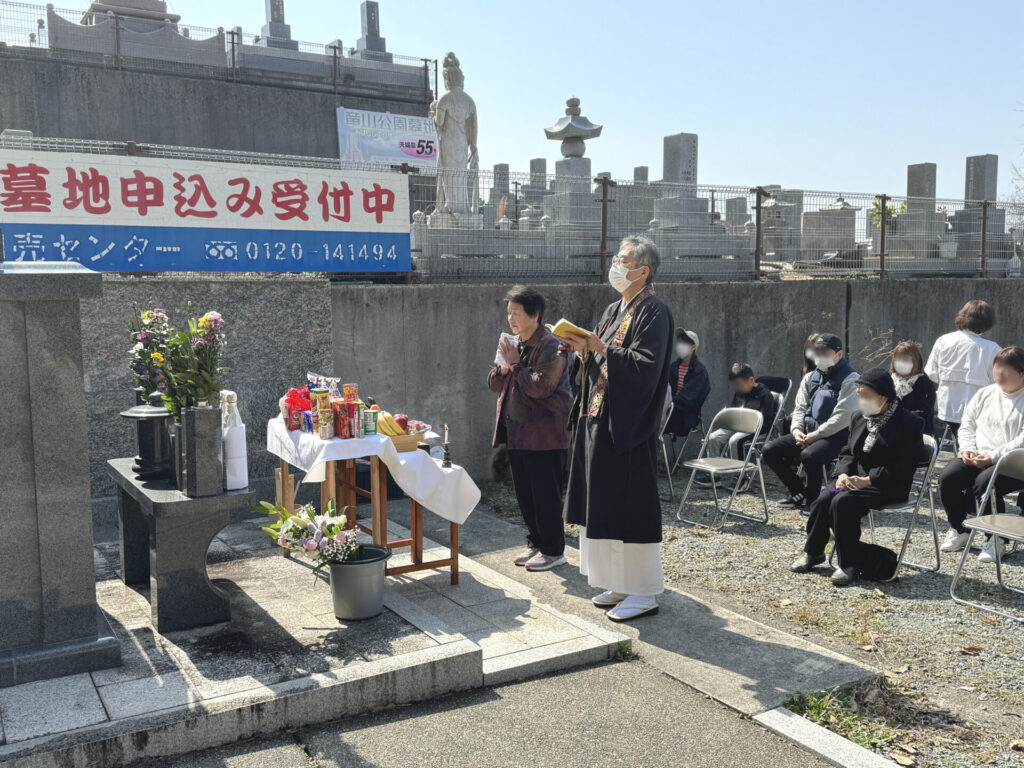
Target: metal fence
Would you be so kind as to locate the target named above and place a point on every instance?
(124, 42)
(535, 226)
(539, 227)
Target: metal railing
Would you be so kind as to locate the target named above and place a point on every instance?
(123, 42)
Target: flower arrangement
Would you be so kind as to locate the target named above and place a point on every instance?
(190, 364)
(322, 538)
(149, 334)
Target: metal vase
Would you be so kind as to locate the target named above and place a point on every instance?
(203, 452)
(176, 473)
(151, 420)
(357, 585)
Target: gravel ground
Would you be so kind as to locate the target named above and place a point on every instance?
(954, 690)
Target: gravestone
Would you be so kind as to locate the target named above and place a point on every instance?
(680, 159)
(980, 178)
(275, 33)
(371, 45)
(50, 625)
(640, 174)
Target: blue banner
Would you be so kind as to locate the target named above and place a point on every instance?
(201, 249)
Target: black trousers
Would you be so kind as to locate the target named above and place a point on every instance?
(961, 486)
(840, 514)
(783, 455)
(539, 480)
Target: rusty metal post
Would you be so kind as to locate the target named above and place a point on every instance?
(883, 222)
(515, 196)
(760, 193)
(984, 236)
(335, 67)
(606, 184)
(117, 41)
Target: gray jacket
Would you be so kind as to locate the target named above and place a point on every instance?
(846, 405)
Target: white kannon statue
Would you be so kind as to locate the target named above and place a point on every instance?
(454, 116)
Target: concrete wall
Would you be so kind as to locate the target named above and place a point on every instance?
(426, 350)
(72, 101)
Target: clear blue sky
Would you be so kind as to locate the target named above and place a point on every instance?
(820, 95)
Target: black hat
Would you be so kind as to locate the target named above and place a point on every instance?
(879, 380)
(828, 341)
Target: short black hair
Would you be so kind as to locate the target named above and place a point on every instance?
(976, 316)
(529, 299)
(741, 371)
(1012, 357)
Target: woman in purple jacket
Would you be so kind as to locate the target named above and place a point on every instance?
(532, 381)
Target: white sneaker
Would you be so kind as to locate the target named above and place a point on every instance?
(988, 552)
(608, 599)
(542, 562)
(528, 555)
(954, 541)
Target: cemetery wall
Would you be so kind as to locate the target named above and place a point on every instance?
(426, 350)
(73, 101)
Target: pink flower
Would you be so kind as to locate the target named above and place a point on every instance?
(340, 537)
(281, 542)
(310, 545)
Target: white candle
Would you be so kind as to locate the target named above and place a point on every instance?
(446, 433)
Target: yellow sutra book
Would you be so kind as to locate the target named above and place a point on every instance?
(565, 330)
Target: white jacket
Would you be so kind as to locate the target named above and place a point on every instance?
(960, 364)
(993, 422)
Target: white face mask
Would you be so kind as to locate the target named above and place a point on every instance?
(683, 350)
(824, 362)
(869, 407)
(903, 367)
(618, 277)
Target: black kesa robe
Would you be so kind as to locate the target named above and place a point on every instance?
(613, 471)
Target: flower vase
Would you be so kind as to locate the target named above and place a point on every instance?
(203, 452)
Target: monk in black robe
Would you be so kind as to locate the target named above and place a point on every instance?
(622, 370)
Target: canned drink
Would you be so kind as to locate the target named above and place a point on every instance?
(325, 427)
(370, 422)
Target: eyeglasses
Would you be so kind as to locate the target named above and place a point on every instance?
(622, 261)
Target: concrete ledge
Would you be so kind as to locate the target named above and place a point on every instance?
(820, 741)
(567, 654)
(425, 674)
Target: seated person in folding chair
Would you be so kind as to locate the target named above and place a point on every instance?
(749, 394)
(690, 385)
(820, 424)
(993, 424)
(876, 468)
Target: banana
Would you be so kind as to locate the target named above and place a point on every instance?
(387, 425)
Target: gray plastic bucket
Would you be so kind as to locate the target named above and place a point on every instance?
(357, 585)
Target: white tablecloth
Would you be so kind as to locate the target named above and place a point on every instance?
(449, 493)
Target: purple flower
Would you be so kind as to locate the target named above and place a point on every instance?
(311, 528)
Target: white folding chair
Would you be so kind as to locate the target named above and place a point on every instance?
(1010, 527)
(736, 420)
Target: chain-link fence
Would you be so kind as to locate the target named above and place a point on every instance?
(153, 45)
(535, 226)
(501, 226)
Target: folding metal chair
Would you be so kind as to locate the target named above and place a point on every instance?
(669, 407)
(948, 438)
(1010, 527)
(929, 453)
(737, 420)
(698, 429)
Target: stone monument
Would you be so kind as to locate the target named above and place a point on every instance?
(50, 624)
(457, 203)
(275, 33)
(371, 45)
(571, 200)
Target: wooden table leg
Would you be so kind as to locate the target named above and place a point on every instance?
(328, 491)
(416, 526)
(454, 546)
(379, 500)
(285, 492)
(346, 482)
